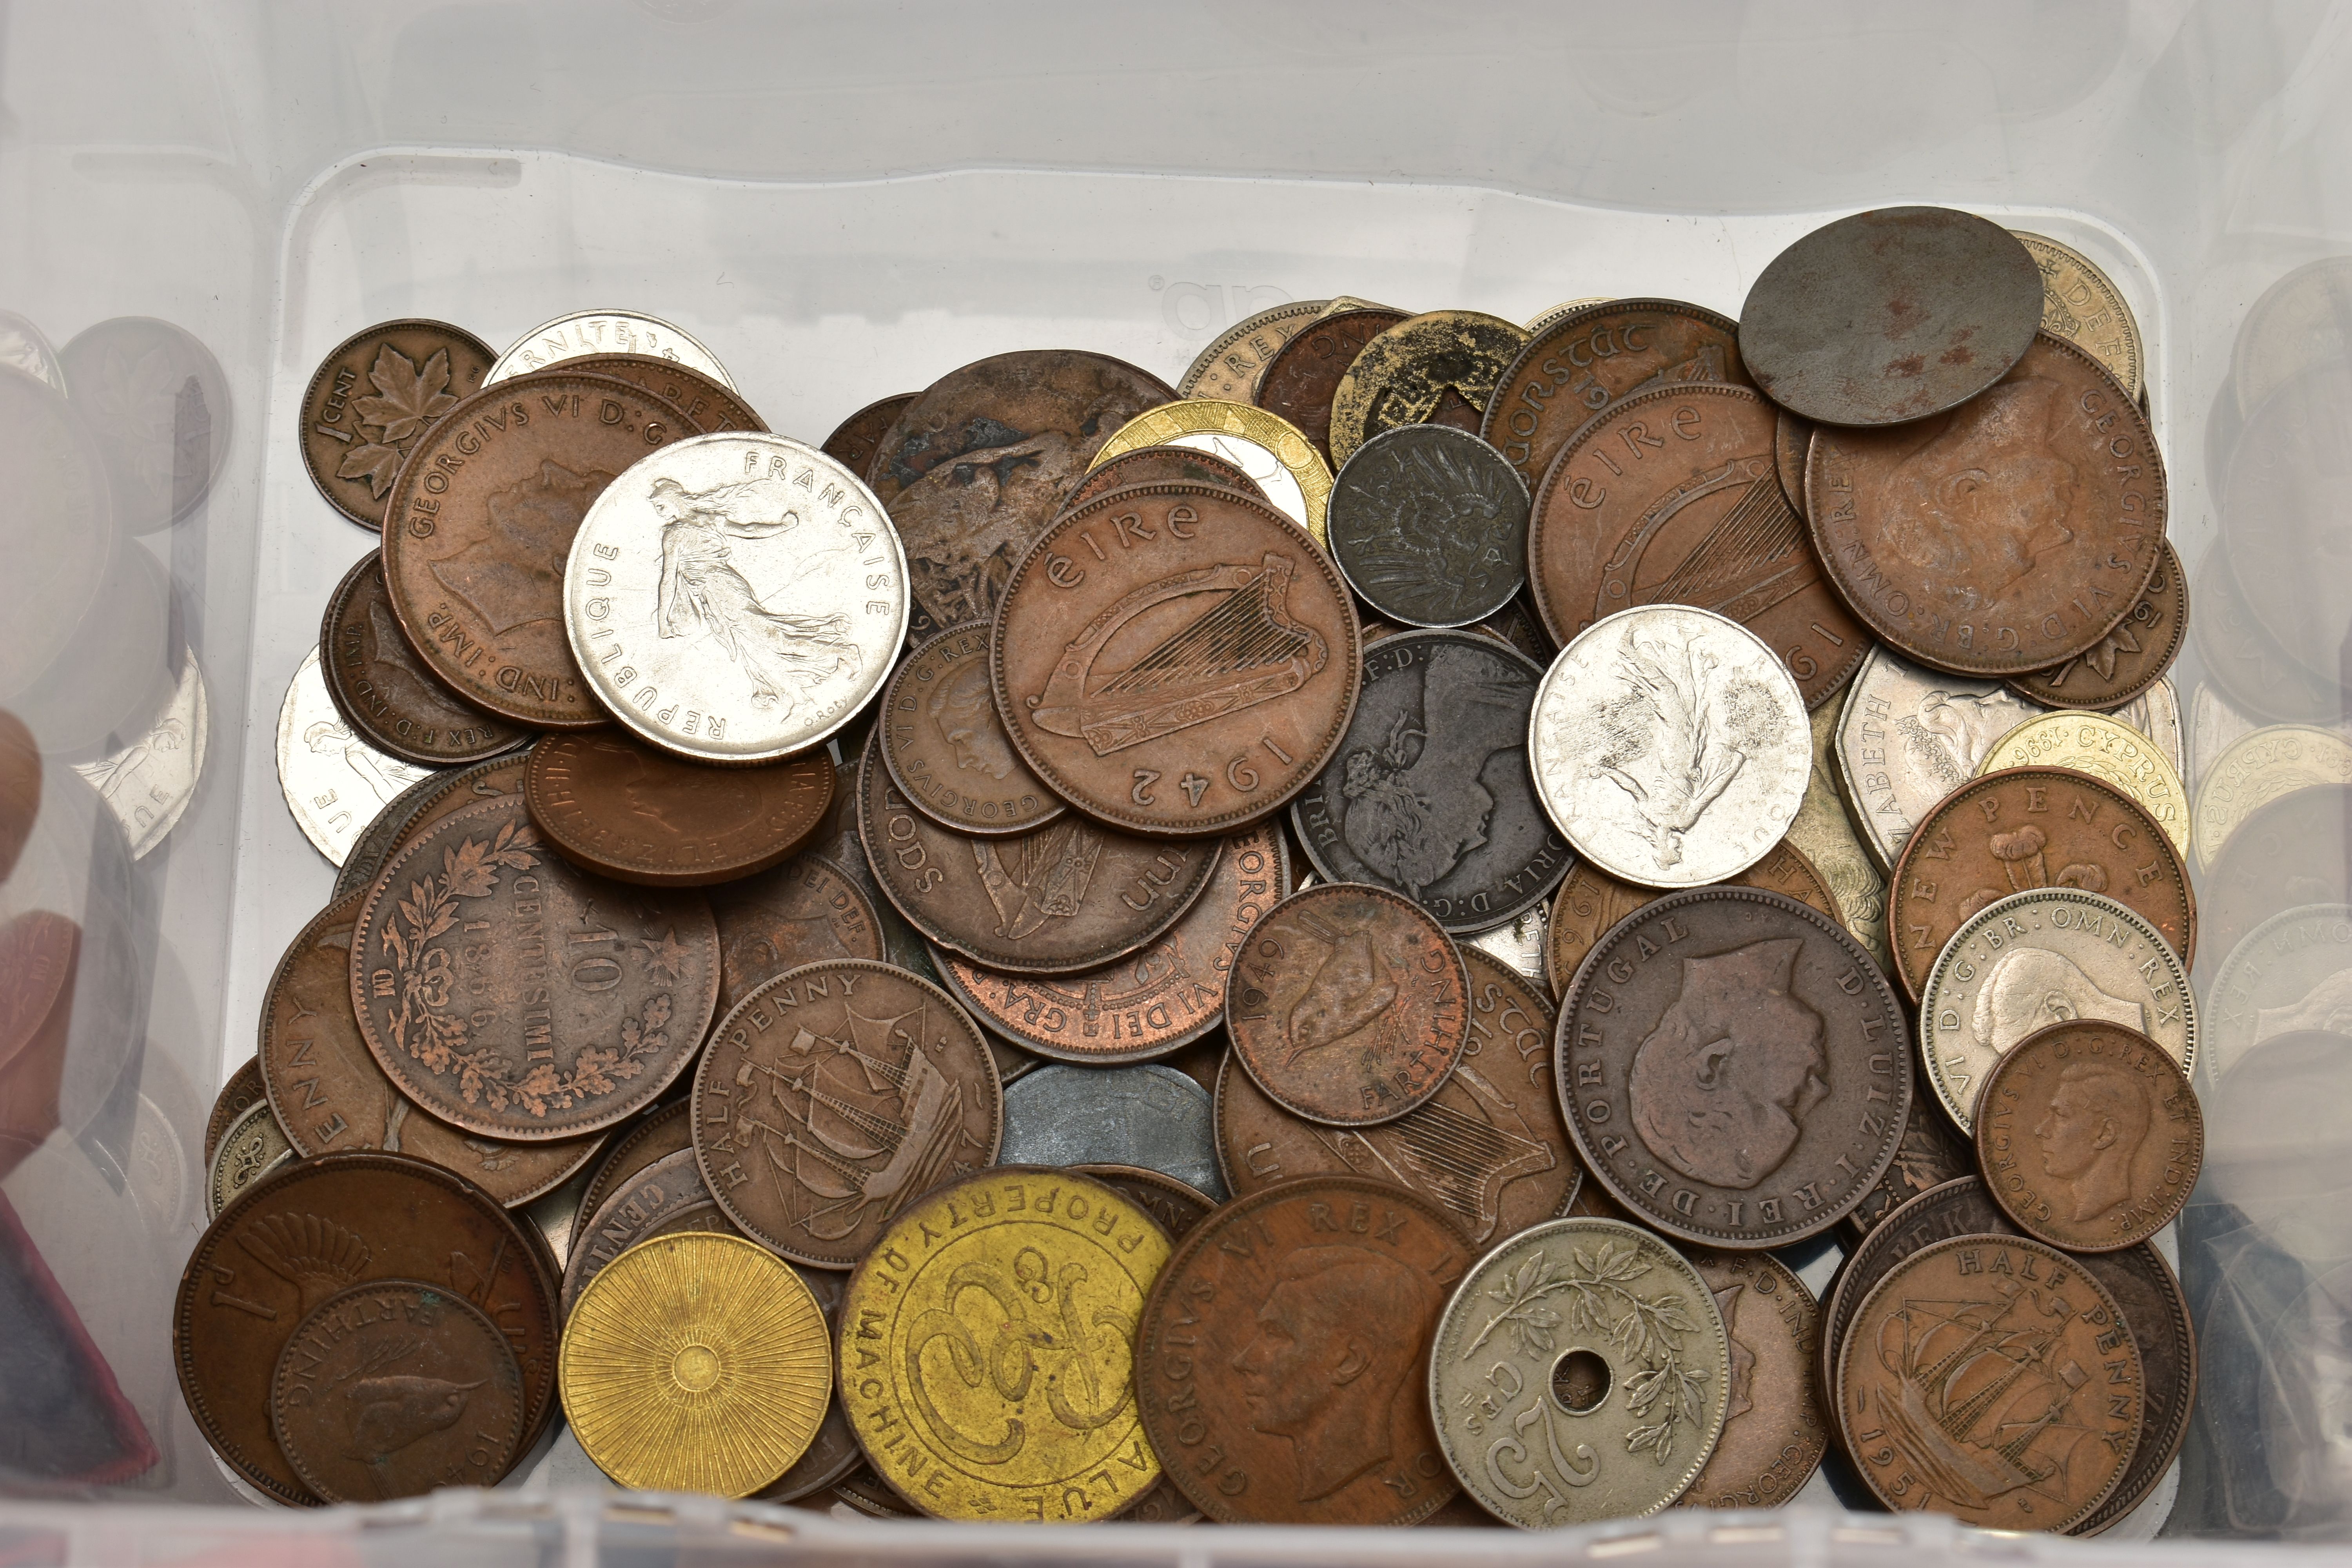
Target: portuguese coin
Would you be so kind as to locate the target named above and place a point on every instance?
(2081, 304)
(377, 840)
(63, 521)
(1146, 1115)
(2143, 1285)
(802, 911)
(2257, 768)
(1430, 526)
(2287, 855)
(1774, 1429)
(2290, 974)
(1160, 465)
(1670, 745)
(633, 1150)
(946, 749)
(1301, 379)
(1437, 368)
(1831, 842)
(2129, 660)
(253, 1147)
(709, 403)
(1590, 901)
(856, 439)
(2107, 750)
(148, 784)
(667, 1197)
(334, 781)
(159, 403)
(584, 333)
(1229, 366)
(2244, 658)
(1283, 465)
(1176, 1205)
(1931, 1153)
(626, 810)
(244, 1090)
(386, 695)
(371, 396)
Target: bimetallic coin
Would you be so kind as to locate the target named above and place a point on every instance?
(583, 333)
(1581, 1371)
(712, 405)
(148, 784)
(1176, 1205)
(2129, 660)
(2257, 769)
(244, 1090)
(2082, 305)
(802, 911)
(1430, 526)
(667, 1197)
(2291, 973)
(253, 1146)
(2107, 750)
(1774, 1427)
(1299, 380)
(371, 396)
(632, 1151)
(1150, 1116)
(1590, 901)
(1175, 464)
(1831, 842)
(1228, 368)
(1275, 454)
(856, 439)
(947, 750)
(386, 694)
(626, 810)
(334, 781)
(159, 404)
(1438, 368)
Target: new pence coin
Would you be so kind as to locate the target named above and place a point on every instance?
(386, 694)
(1438, 368)
(1774, 1429)
(371, 396)
(1299, 382)
(1430, 525)
(946, 749)
(626, 810)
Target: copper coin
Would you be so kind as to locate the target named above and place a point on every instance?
(500, 778)
(2291, 852)
(1792, 441)
(1587, 361)
(1591, 901)
(629, 811)
(1068, 898)
(2021, 829)
(386, 693)
(2010, 535)
(1161, 465)
(2131, 658)
(1282, 1360)
(805, 911)
(1174, 658)
(394, 1389)
(667, 1197)
(2089, 1135)
(1672, 497)
(975, 468)
(1299, 381)
(1176, 1205)
(329, 1094)
(1441, 367)
(707, 402)
(2143, 1285)
(385, 831)
(833, 1453)
(1145, 1006)
(243, 1091)
(831, 1098)
(856, 439)
(630, 1151)
(276, 1253)
(1732, 1067)
(2246, 662)
(947, 750)
(479, 523)
(369, 399)
(1774, 1428)
(1932, 1152)
(512, 995)
(1488, 1148)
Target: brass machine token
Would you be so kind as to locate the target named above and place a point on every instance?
(1275, 454)
(2106, 749)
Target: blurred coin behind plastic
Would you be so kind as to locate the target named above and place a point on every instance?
(2287, 543)
(56, 532)
(2277, 1145)
(20, 789)
(26, 347)
(159, 403)
(116, 673)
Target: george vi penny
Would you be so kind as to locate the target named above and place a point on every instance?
(387, 694)
(2131, 658)
(711, 404)
(946, 749)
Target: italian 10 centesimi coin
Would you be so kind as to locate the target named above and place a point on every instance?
(1670, 744)
(1430, 524)
(737, 599)
(586, 333)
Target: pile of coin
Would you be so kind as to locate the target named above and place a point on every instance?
(1309, 946)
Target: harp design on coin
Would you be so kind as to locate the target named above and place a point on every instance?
(1241, 649)
(1754, 557)
(1039, 876)
(1459, 1159)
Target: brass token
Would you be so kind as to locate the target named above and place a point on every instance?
(696, 1363)
(947, 750)
(833, 1452)
(1229, 366)
(2107, 750)
(2082, 305)
(1774, 1428)
(242, 1090)
(1591, 901)
(253, 1146)
(2257, 769)
(1438, 368)
(1275, 454)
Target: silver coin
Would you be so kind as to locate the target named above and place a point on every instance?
(1151, 1115)
(1670, 744)
(253, 1146)
(148, 784)
(1429, 524)
(334, 781)
(2291, 972)
(1518, 944)
(373, 846)
(2039, 958)
(736, 598)
(586, 333)
(26, 347)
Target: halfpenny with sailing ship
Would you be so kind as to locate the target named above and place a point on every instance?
(1299, 380)
(634, 813)
(1591, 901)
(947, 750)
(386, 693)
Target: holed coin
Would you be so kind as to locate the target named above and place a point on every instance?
(371, 396)
(1146, 1115)
(1430, 525)
(2107, 750)
(947, 750)
(1592, 901)
(1299, 382)
(631, 812)
(1437, 368)
(802, 911)
(386, 694)
(583, 333)
(1774, 1427)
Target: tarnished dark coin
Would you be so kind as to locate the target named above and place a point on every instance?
(395, 1388)
(2129, 660)
(1591, 901)
(386, 693)
(1932, 1152)
(633, 1149)
(707, 402)
(2290, 853)
(831, 1098)
(2244, 659)
(1161, 465)
(806, 910)
(2143, 1285)
(277, 1253)
(159, 403)
(1176, 1205)
(864, 1490)
(1349, 1005)
(1299, 382)
(1732, 1067)
(1175, 658)
(244, 1090)
(1890, 316)
(1441, 367)
(1282, 1360)
(947, 750)
(1430, 525)
(1429, 795)
(371, 396)
(1774, 1427)
(512, 995)
(1672, 497)
(1581, 362)
(632, 812)
(667, 1197)
(1068, 898)
(2013, 534)
(481, 519)
(974, 468)
(856, 439)
(1146, 1115)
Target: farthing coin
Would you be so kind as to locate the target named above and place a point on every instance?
(947, 750)
(628, 811)
(2290, 973)
(632, 1149)
(1581, 1371)
(1349, 1005)
(1177, 659)
(387, 695)
(2107, 750)
(253, 1147)
(2289, 853)
(1590, 901)
(737, 599)
(668, 1197)
(1831, 842)
(832, 1098)
(1670, 745)
(2039, 958)
(1146, 1115)
(2255, 769)
(1932, 1153)
(160, 404)
(1430, 525)
(1429, 794)
(805, 911)
(583, 333)
(1437, 368)
(1160, 465)
(1299, 380)
(2143, 1285)
(371, 396)
(1229, 366)
(149, 782)
(334, 781)
(2129, 660)
(244, 1090)
(1176, 1205)
(856, 439)
(1282, 464)
(1890, 316)
(2081, 304)
(711, 404)
(1775, 1428)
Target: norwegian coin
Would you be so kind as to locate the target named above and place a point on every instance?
(25, 347)
(1831, 842)
(1430, 526)
(2244, 658)
(1441, 367)
(626, 810)
(394, 1389)
(630, 1151)
(1429, 794)
(1701, 522)
(472, 1016)
(2277, 511)
(2128, 659)
(1146, 1115)
(1283, 1359)
(2030, 565)
(708, 403)
(253, 1147)
(1890, 316)
(386, 694)
(2089, 1135)
(244, 1090)
(1731, 1065)
(1931, 1153)
(667, 1197)
(1152, 1002)
(832, 1098)
(1774, 1427)
(1176, 1205)
(149, 784)
(2255, 770)
(975, 468)
(1160, 465)
(2289, 974)
(1301, 379)
(1670, 745)
(159, 403)
(334, 781)
(2289, 853)
(2021, 830)
(1603, 1337)
(1488, 1148)
(1590, 901)
(371, 396)
(277, 1253)
(376, 843)
(1590, 359)
(584, 333)
(1177, 659)
(63, 520)
(2107, 750)
(946, 749)
(856, 439)
(1228, 368)
(1792, 443)
(1282, 464)
(695, 1363)
(1349, 1005)
(2038, 958)
(802, 911)
(2143, 1285)
(1054, 1269)
(2081, 304)
(474, 547)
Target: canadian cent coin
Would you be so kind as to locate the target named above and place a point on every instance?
(2288, 854)
(1283, 465)
(2107, 750)
(1438, 368)
(2131, 658)
(1299, 382)
(1229, 366)
(159, 403)
(1774, 1428)
(253, 1147)
(947, 750)
(1430, 525)
(386, 694)
(2291, 973)
(244, 1090)
(803, 911)
(667, 1197)
(584, 333)
(1591, 901)
(1160, 465)
(369, 399)
(2256, 769)
(1148, 1115)
(632, 1151)
(626, 810)
(2143, 1285)
(710, 402)
(856, 439)
(333, 780)
(1176, 1205)
(2081, 304)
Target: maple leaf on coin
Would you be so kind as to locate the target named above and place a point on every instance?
(374, 462)
(410, 398)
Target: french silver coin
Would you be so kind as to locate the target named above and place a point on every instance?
(334, 781)
(584, 333)
(148, 784)
(1671, 745)
(2290, 973)
(736, 598)
(1429, 524)
(1150, 1115)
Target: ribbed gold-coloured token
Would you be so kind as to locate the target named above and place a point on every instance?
(2106, 749)
(987, 1345)
(1264, 445)
(696, 1363)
